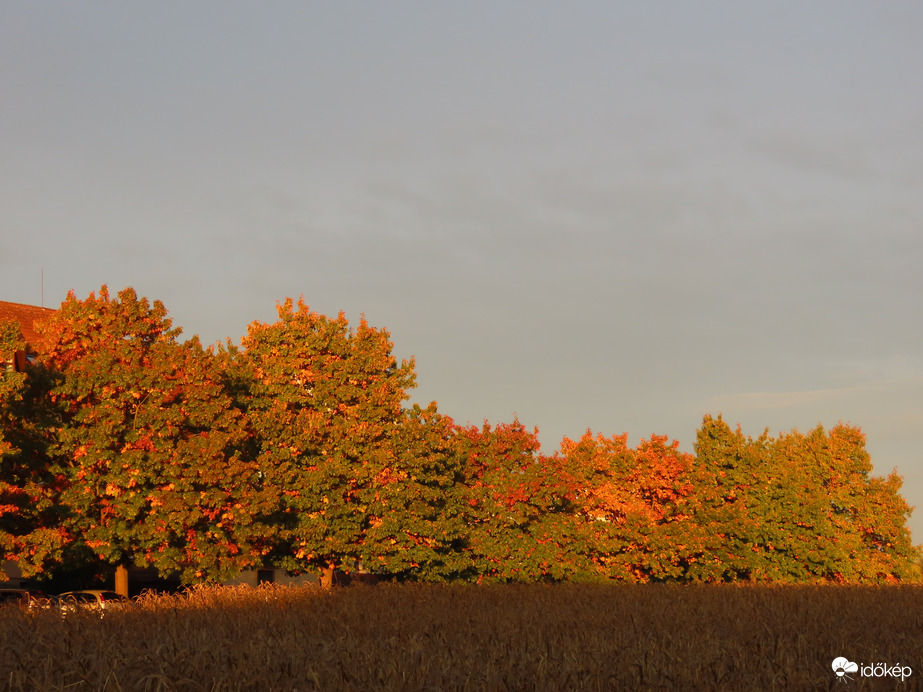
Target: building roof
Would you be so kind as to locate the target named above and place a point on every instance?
(28, 316)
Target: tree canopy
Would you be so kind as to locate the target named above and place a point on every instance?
(123, 444)
(325, 403)
(149, 447)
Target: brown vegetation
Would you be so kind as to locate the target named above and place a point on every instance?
(455, 637)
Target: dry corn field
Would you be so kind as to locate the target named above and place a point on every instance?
(514, 637)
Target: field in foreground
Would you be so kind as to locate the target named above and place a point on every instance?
(513, 637)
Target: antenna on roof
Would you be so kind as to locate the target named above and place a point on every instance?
(43, 286)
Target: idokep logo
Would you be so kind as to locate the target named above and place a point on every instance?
(843, 666)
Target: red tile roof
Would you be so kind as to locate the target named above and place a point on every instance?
(27, 316)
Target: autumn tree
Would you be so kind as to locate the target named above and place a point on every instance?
(836, 522)
(417, 522)
(326, 404)
(30, 518)
(637, 504)
(149, 443)
(518, 507)
(728, 472)
(797, 508)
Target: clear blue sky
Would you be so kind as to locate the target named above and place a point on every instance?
(616, 216)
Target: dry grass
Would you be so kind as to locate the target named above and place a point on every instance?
(391, 637)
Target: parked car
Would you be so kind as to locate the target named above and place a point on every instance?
(23, 597)
(98, 599)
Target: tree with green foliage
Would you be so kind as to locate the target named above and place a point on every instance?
(417, 526)
(727, 468)
(325, 402)
(838, 522)
(797, 508)
(149, 445)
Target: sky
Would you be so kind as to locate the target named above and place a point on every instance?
(594, 215)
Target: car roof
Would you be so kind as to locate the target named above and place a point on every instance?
(88, 591)
(107, 593)
(21, 592)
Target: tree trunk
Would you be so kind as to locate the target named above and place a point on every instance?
(121, 580)
(326, 577)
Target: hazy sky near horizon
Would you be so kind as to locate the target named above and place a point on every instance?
(616, 216)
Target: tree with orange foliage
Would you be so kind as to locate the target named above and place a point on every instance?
(519, 508)
(638, 503)
(30, 518)
(149, 444)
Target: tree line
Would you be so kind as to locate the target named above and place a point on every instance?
(122, 444)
